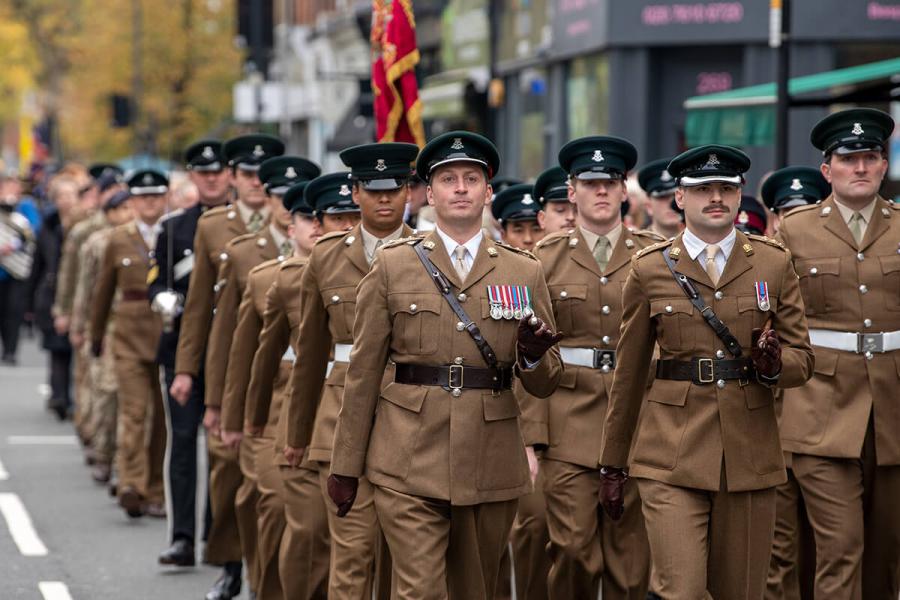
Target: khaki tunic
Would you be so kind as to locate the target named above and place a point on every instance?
(422, 441)
(67, 276)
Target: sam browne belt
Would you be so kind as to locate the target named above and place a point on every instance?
(455, 377)
(705, 370)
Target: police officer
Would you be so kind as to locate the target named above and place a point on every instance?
(793, 187)
(379, 174)
(551, 190)
(174, 263)
(707, 456)
(141, 421)
(586, 267)
(659, 186)
(841, 426)
(444, 453)
(215, 228)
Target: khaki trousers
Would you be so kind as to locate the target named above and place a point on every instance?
(305, 546)
(792, 565)
(224, 541)
(141, 429)
(529, 538)
(245, 500)
(708, 545)
(104, 407)
(270, 521)
(587, 549)
(442, 551)
(853, 508)
(81, 383)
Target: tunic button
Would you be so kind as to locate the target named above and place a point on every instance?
(719, 295)
(605, 310)
(860, 257)
(564, 294)
(720, 384)
(335, 299)
(605, 369)
(458, 360)
(604, 280)
(413, 308)
(456, 393)
(668, 309)
(605, 339)
(863, 289)
(461, 297)
(867, 322)
(460, 326)
(126, 262)
(720, 354)
(813, 271)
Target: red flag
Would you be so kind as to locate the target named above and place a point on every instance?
(395, 54)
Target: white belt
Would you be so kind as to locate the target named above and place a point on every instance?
(342, 352)
(860, 343)
(592, 358)
(289, 354)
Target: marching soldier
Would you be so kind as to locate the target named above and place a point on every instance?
(841, 427)
(792, 565)
(175, 260)
(141, 440)
(101, 371)
(586, 268)
(551, 190)
(378, 186)
(660, 186)
(215, 229)
(707, 456)
(443, 456)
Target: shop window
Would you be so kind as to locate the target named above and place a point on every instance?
(533, 92)
(587, 97)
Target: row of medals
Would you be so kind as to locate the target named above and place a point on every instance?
(498, 312)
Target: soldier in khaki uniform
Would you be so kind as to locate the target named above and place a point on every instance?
(792, 566)
(215, 229)
(101, 375)
(141, 441)
(842, 426)
(706, 456)
(444, 452)
(659, 185)
(586, 268)
(378, 186)
(551, 191)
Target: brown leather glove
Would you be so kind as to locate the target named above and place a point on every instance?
(342, 491)
(535, 340)
(766, 353)
(612, 491)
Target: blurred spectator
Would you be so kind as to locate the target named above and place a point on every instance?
(184, 193)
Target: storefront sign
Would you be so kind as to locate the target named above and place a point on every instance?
(658, 22)
(579, 26)
(839, 19)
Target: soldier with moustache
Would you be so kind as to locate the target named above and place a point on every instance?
(215, 228)
(726, 311)
(841, 426)
(792, 565)
(586, 268)
(169, 284)
(379, 174)
(659, 185)
(444, 455)
(141, 441)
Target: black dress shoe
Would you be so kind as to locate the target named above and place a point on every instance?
(228, 586)
(130, 500)
(101, 472)
(179, 554)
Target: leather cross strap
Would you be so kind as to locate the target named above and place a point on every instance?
(705, 370)
(446, 290)
(690, 290)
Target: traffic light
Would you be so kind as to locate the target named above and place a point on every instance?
(121, 110)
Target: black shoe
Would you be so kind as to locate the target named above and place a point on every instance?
(59, 410)
(226, 587)
(101, 472)
(9, 360)
(179, 554)
(130, 500)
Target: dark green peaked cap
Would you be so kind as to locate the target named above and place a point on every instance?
(458, 146)
(330, 194)
(551, 186)
(515, 203)
(852, 130)
(247, 152)
(146, 182)
(293, 200)
(205, 155)
(598, 157)
(794, 186)
(279, 173)
(706, 164)
(656, 180)
(380, 167)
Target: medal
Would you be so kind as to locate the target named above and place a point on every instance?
(496, 304)
(762, 295)
(517, 302)
(507, 302)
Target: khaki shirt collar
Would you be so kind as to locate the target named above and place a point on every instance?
(370, 240)
(590, 238)
(246, 212)
(866, 211)
(277, 237)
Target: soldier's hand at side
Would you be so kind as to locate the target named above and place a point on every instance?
(252, 430)
(342, 491)
(533, 464)
(212, 420)
(293, 455)
(181, 388)
(766, 352)
(612, 491)
(61, 324)
(534, 338)
(232, 439)
(76, 339)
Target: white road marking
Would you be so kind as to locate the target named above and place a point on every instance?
(42, 440)
(20, 528)
(4, 474)
(54, 590)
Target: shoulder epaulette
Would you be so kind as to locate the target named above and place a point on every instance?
(766, 240)
(801, 209)
(273, 262)
(240, 240)
(654, 248)
(405, 241)
(646, 233)
(212, 213)
(294, 261)
(552, 239)
(334, 235)
(516, 250)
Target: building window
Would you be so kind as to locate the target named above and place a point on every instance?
(587, 96)
(533, 91)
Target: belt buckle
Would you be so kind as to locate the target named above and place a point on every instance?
(869, 342)
(605, 360)
(458, 369)
(712, 370)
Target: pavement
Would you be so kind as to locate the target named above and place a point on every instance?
(62, 537)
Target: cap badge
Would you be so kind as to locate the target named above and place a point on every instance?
(380, 166)
(712, 162)
(857, 129)
(148, 179)
(208, 153)
(796, 185)
(345, 190)
(258, 151)
(290, 173)
(526, 199)
(598, 156)
(457, 144)
(743, 217)
(665, 176)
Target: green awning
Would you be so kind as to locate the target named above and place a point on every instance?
(746, 116)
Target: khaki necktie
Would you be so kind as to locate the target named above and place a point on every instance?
(856, 226)
(459, 262)
(255, 222)
(378, 244)
(711, 269)
(601, 251)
